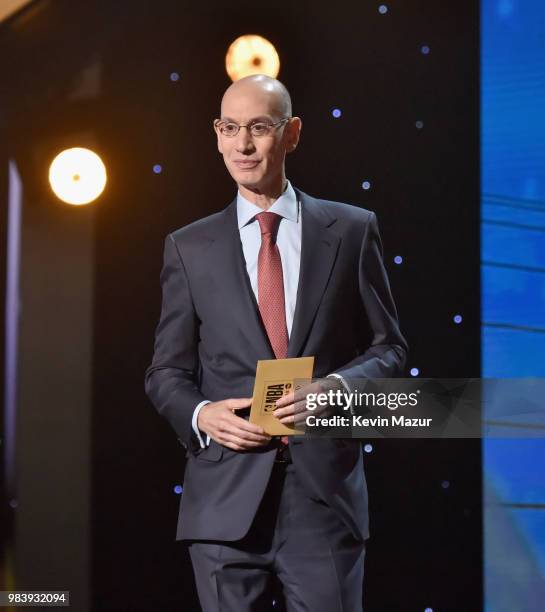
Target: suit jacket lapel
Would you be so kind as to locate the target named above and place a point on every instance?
(319, 246)
(232, 277)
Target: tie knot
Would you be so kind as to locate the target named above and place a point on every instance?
(268, 222)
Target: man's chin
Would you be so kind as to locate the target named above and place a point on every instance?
(248, 181)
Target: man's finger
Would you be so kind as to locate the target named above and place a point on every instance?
(244, 434)
(297, 409)
(242, 443)
(239, 403)
(280, 413)
(244, 424)
(285, 400)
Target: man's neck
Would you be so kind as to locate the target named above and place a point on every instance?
(264, 198)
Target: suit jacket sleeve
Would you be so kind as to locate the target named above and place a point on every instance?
(386, 354)
(171, 381)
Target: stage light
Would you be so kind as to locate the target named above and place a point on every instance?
(366, 185)
(425, 50)
(77, 176)
(419, 125)
(457, 319)
(398, 259)
(336, 112)
(157, 168)
(251, 54)
(415, 371)
(383, 9)
(178, 489)
(174, 76)
(368, 448)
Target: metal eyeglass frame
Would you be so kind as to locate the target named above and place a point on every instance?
(249, 127)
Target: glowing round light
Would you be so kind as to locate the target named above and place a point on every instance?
(178, 489)
(445, 484)
(457, 319)
(174, 76)
(77, 176)
(419, 125)
(425, 49)
(366, 185)
(251, 54)
(157, 168)
(336, 112)
(368, 448)
(383, 9)
(415, 371)
(398, 259)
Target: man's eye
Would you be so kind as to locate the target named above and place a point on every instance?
(230, 128)
(260, 128)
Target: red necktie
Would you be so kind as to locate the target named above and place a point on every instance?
(270, 285)
(270, 288)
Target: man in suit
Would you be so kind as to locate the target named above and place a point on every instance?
(276, 274)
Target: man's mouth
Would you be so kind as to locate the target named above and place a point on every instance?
(246, 163)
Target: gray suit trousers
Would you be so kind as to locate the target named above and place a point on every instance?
(298, 554)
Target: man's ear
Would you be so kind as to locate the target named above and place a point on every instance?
(293, 133)
(218, 137)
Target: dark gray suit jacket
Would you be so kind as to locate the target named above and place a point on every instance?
(210, 337)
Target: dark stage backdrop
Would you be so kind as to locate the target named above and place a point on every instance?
(406, 82)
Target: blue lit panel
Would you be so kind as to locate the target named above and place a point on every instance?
(514, 297)
(512, 353)
(510, 245)
(508, 461)
(513, 289)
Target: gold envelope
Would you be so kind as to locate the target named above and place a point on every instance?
(274, 378)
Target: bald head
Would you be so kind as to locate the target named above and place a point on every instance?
(260, 87)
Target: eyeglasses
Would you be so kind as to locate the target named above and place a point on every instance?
(257, 129)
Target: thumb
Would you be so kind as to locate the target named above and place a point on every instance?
(240, 402)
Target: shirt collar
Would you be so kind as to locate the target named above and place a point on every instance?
(286, 206)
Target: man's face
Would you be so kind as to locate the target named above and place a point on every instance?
(255, 162)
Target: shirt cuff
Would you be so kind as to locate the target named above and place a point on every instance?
(345, 386)
(194, 424)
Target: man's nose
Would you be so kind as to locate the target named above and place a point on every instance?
(244, 141)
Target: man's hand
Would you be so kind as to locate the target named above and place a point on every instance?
(292, 408)
(219, 421)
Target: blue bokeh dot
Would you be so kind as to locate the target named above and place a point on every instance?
(368, 448)
(178, 489)
(174, 76)
(383, 9)
(415, 371)
(157, 168)
(425, 49)
(457, 319)
(336, 112)
(366, 185)
(398, 259)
